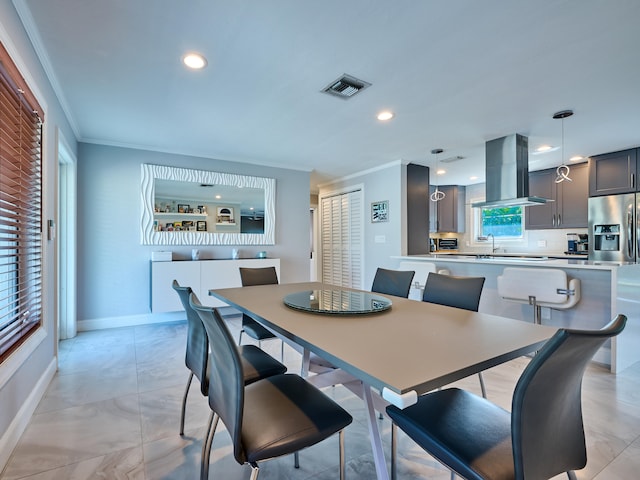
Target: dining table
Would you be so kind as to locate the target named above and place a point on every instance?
(397, 351)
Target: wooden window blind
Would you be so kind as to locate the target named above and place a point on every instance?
(20, 208)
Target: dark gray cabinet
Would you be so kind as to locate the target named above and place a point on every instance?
(417, 209)
(569, 208)
(613, 173)
(448, 214)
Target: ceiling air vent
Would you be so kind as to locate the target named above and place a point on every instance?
(346, 86)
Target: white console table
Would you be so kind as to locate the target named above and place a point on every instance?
(201, 276)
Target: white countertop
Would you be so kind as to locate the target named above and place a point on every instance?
(519, 259)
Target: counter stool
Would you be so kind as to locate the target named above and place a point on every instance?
(422, 269)
(540, 287)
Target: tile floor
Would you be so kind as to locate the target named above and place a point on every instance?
(112, 412)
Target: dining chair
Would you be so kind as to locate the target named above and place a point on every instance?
(459, 292)
(256, 363)
(251, 277)
(269, 418)
(543, 436)
(392, 282)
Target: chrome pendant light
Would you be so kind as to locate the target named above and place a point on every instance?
(437, 195)
(563, 170)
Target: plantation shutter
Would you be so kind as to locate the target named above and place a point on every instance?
(341, 239)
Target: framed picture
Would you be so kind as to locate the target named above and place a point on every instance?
(380, 211)
(225, 215)
(187, 224)
(201, 226)
(182, 208)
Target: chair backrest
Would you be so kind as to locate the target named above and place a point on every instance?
(226, 377)
(392, 282)
(197, 353)
(460, 292)
(546, 413)
(258, 276)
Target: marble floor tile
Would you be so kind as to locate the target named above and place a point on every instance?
(63, 437)
(113, 412)
(72, 390)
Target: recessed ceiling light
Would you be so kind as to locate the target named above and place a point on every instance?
(386, 115)
(218, 197)
(441, 172)
(194, 60)
(576, 158)
(473, 177)
(544, 149)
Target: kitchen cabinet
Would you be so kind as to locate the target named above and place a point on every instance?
(201, 276)
(613, 173)
(569, 208)
(447, 215)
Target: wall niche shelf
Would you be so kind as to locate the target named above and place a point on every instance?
(176, 214)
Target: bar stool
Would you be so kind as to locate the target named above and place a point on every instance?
(540, 287)
(422, 269)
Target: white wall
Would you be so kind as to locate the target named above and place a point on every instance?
(34, 363)
(113, 268)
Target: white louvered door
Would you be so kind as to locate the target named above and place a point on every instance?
(341, 239)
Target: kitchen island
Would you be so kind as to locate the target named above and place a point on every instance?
(607, 288)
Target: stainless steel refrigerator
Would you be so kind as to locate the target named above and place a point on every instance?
(614, 230)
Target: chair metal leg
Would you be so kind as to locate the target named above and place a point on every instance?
(254, 471)
(206, 445)
(482, 386)
(281, 351)
(453, 475)
(572, 475)
(394, 447)
(296, 460)
(342, 466)
(184, 403)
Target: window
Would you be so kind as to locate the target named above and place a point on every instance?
(20, 209)
(505, 222)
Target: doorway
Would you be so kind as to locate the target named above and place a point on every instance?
(67, 324)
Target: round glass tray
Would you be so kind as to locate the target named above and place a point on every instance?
(337, 302)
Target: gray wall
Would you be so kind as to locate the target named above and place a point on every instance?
(388, 183)
(16, 383)
(113, 268)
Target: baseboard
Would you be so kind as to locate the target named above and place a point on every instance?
(129, 321)
(144, 319)
(11, 437)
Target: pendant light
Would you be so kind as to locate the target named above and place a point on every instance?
(437, 195)
(563, 170)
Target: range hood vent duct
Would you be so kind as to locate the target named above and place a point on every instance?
(507, 174)
(345, 87)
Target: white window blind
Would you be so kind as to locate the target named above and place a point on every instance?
(341, 239)
(20, 209)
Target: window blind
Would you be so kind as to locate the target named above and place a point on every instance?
(20, 208)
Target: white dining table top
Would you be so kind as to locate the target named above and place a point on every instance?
(412, 347)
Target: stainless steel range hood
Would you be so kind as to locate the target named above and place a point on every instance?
(507, 174)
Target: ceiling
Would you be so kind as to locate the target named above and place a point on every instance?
(455, 73)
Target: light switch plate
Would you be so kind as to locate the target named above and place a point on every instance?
(380, 239)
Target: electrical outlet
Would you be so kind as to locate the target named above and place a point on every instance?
(542, 243)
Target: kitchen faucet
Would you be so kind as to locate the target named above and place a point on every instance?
(493, 242)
